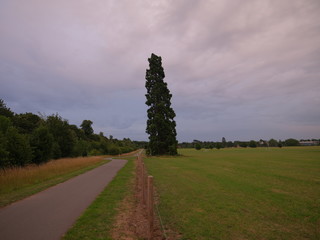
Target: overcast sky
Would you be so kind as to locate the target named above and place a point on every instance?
(237, 69)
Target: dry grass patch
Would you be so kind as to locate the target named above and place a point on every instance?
(17, 183)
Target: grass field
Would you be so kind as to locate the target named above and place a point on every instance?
(18, 183)
(240, 193)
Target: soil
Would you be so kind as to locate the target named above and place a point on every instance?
(132, 221)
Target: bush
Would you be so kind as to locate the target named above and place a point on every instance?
(253, 144)
(218, 145)
(56, 151)
(42, 145)
(291, 142)
(126, 149)
(80, 148)
(4, 154)
(18, 147)
(198, 146)
(114, 150)
(5, 123)
(95, 152)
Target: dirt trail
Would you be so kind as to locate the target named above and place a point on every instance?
(50, 213)
(132, 221)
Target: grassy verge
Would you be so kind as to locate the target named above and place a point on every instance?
(97, 221)
(240, 193)
(18, 183)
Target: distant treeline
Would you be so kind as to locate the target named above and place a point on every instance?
(29, 138)
(253, 144)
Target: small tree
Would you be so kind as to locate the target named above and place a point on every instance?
(253, 144)
(160, 124)
(26, 123)
(64, 137)
(273, 143)
(291, 142)
(18, 147)
(230, 144)
(42, 145)
(223, 142)
(4, 154)
(4, 110)
(5, 123)
(218, 145)
(86, 127)
(198, 146)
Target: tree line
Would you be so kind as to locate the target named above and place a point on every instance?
(29, 138)
(252, 143)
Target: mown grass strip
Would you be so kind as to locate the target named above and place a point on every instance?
(16, 184)
(240, 193)
(97, 221)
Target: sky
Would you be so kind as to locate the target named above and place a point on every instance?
(236, 69)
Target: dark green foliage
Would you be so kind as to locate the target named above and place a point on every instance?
(56, 151)
(64, 137)
(26, 123)
(273, 143)
(86, 127)
(18, 147)
(253, 144)
(79, 133)
(5, 123)
(81, 148)
(103, 145)
(218, 145)
(223, 142)
(198, 146)
(14, 147)
(114, 150)
(230, 144)
(160, 124)
(4, 154)
(207, 144)
(27, 138)
(42, 145)
(243, 144)
(4, 110)
(291, 142)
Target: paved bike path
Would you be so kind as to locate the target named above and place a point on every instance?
(49, 214)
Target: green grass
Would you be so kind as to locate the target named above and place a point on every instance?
(97, 221)
(18, 183)
(240, 193)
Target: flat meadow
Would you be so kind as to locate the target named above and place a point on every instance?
(240, 193)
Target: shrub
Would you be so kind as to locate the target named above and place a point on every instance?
(42, 145)
(198, 146)
(253, 144)
(95, 152)
(114, 150)
(18, 147)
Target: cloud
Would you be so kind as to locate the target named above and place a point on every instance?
(247, 69)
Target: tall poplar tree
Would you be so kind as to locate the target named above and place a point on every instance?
(160, 124)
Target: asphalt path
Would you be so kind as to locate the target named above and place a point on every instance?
(49, 214)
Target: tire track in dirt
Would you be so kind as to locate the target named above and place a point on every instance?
(132, 221)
